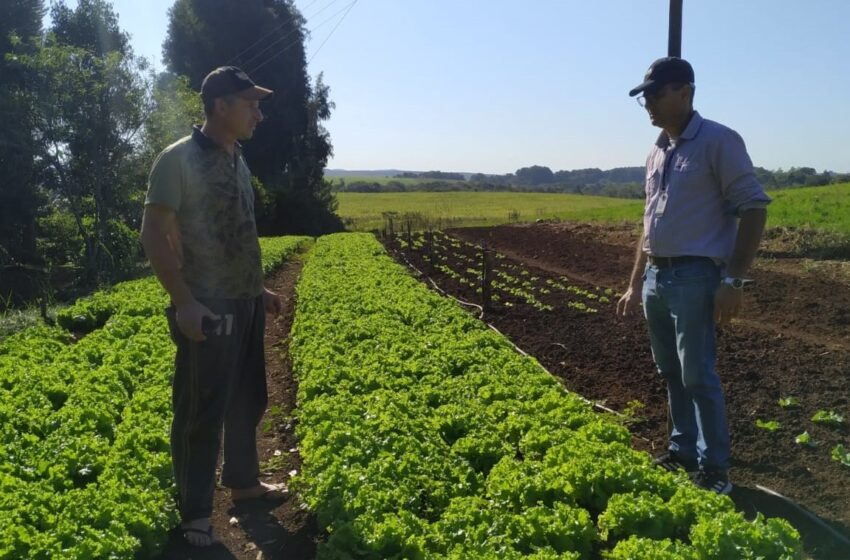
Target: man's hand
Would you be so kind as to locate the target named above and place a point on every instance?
(631, 299)
(727, 304)
(272, 302)
(189, 317)
(628, 302)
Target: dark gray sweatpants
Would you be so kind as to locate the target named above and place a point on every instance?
(218, 383)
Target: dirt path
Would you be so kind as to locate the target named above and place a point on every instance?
(288, 530)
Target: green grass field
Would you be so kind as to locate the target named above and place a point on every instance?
(824, 208)
(383, 179)
(363, 211)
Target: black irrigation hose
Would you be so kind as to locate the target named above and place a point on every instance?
(442, 292)
(809, 515)
(595, 405)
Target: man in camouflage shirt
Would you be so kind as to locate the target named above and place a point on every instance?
(200, 236)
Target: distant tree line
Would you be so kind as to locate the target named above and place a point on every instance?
(84, 117)
(799, 177)
(620, 182)
(439, 175)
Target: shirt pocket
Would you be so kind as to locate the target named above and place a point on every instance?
(685, 171)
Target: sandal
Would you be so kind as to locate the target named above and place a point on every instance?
(276, 494)
(202, 538)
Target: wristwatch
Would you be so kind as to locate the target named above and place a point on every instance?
(737, 283)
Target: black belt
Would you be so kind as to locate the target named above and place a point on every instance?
(666, 262)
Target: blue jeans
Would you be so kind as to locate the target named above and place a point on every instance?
(678, 303)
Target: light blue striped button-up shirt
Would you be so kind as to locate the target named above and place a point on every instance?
(695, 191)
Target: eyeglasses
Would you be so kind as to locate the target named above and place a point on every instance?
(643, 98)
(656, 95)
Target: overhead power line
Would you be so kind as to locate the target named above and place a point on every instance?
(345, 9)
(286, 36)
(332, 32)
(310, 4)
(273, 31)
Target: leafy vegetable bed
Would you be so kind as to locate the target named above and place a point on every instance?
(132, 298)
(85, 469)
(425, 435)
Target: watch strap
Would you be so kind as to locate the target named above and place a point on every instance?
(737, 283)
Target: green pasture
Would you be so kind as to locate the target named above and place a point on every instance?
(383, 179)
(364, 211)
(823, 208)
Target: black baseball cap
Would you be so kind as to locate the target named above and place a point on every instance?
(229, 80)
(667, 70)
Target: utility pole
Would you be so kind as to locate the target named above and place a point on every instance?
(674, 37)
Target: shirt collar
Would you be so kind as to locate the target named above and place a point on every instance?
(207, 143)
(688, 134)
(693, 127)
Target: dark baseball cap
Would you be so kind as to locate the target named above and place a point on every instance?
(667, 70)
(230, 80)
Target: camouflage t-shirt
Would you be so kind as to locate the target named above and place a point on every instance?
(211, 193)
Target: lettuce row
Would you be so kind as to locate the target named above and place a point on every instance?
(86, 471)
(136, 297)
(425, 435)
(278, 250)
(85, 468)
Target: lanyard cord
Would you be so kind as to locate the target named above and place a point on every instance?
(665, 169)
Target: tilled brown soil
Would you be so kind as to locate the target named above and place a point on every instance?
(257, 531)
(793, 340)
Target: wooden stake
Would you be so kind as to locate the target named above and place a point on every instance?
(486, 278)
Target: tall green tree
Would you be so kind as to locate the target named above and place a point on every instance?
(174, 108)
(92, 26)
(290, 150)
(89, 107)
(20, 23)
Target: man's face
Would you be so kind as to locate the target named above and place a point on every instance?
(667, 105)
(239, 115)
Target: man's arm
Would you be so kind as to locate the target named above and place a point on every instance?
(727, 300)
(158, 222)
(750, 229)
(629, 301)
(158, 225)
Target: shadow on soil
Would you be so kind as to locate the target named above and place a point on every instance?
(266, 538)
(179, 549)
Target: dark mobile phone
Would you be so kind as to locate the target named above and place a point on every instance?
(209, 325)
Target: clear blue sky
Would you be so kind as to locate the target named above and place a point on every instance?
(492, 85)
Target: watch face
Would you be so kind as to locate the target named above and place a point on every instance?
(737, 283)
